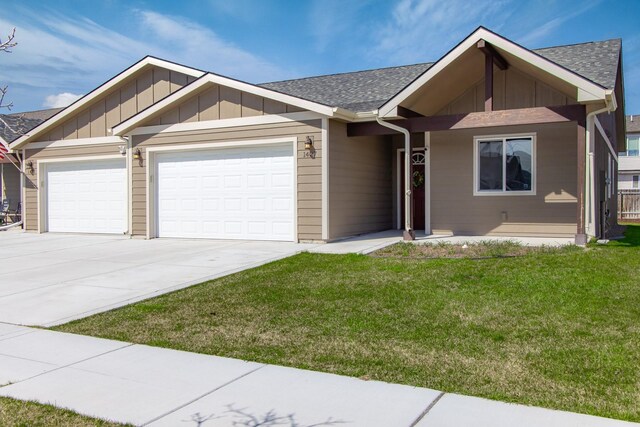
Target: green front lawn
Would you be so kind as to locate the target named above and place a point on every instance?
(18, 413)
(554, 328)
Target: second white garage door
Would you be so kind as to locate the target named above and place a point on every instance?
(236, 193)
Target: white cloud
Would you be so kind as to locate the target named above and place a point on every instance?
(60, 100)
(58, 53)
(195, 45)
(545, 30)
(422, 30)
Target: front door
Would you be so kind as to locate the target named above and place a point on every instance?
(418, 179)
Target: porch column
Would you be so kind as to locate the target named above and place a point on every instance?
(581, 236)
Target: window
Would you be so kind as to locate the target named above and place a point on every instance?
(636, 181)
(633, 146)
(504, 165)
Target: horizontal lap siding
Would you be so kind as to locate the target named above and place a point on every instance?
(359, 183)
(551, 212)
(31, 192)
(309, 170)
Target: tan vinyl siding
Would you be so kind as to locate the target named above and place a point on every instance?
(551, 212)
(359, 183)
(10, 185)
(219, 102)
(511, 89)
(309, 170)
(31, 191)
(133, 95)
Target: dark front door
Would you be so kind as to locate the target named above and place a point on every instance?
(418, 182)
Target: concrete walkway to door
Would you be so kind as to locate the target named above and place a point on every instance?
(48, 279)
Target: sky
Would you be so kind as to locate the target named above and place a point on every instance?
(67, 48)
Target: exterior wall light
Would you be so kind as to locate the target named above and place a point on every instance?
(137, 155)
(30, 167)
(310, 150)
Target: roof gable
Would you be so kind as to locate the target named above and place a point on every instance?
(77, 120)
(586, 89)
(208, 81)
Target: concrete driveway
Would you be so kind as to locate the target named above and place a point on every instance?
(48, 279)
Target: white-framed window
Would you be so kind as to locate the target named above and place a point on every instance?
(633, 146)
(504, 165)
(636, 181)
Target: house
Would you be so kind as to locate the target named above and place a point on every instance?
(629, 168)
(492, 139)
(13, 126)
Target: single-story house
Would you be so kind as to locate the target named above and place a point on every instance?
(13, 126)
(629, 169)
(492, 139)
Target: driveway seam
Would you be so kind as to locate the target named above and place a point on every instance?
(201, 396)
(426, 411)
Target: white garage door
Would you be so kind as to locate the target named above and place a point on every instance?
(87, 196)
(238, 193)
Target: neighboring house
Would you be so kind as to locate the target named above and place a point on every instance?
(503, 140)
(13, 126)
(629, 169)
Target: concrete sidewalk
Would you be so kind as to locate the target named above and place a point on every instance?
(145, 385)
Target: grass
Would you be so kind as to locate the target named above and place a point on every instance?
(482, 249)
(18, 413)
(559, 329)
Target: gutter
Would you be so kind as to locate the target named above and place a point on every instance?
(409, 233)
(590, 205)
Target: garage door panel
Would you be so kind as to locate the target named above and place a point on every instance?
(86, 197)
(240, 193)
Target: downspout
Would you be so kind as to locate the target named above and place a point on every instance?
(408, 234)
(590, 205)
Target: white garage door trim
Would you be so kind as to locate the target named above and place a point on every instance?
(42, 190)
(151, 186)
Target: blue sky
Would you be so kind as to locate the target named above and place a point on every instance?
(67, 48)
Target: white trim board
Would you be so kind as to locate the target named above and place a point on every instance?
(503, 138)
(585, 89)
(76, 142)
(213, 79)
(325, 178)
(151, 182)
(226, 123)
(105, 87)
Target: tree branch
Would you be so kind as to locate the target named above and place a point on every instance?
(5, 46)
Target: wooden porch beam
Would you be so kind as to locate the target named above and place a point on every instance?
(489, 50)
(488, 82)
(522, 116)
(581, 233)
(406, 113)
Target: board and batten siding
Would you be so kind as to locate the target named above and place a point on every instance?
(220, 102)
(309, 173)
(511, 89)
(31, 180)
(133, 95)
(551, 212)
(359, 183)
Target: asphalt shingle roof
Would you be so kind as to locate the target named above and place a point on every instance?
(369, 89)
(13, 126)
(633, 125)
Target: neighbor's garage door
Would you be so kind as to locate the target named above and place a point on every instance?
(87, 196)
(238, 193)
